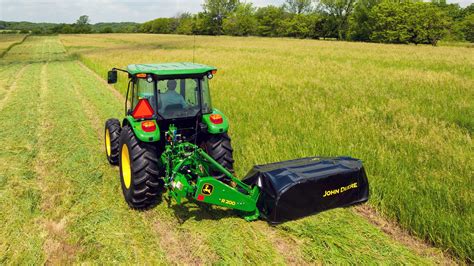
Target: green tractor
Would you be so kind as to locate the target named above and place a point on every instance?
(172, 140)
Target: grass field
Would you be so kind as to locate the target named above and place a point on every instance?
(7, 40)
(407, 111)
(411, 122)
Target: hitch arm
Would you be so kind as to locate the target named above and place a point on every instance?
(222, 169)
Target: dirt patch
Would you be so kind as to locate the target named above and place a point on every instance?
(285, 245)
(180, 245)
(404, 237)
(55, 246)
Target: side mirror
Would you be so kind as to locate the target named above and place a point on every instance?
(112, 77)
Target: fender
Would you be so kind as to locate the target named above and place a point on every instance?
(138, 131)
(216, 128)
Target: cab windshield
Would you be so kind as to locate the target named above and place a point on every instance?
(180, 97)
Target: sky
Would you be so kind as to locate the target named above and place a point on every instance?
(67, 11)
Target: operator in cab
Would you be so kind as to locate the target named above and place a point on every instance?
(171, 99)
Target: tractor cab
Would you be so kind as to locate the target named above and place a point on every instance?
(173, 90)
(171, 94)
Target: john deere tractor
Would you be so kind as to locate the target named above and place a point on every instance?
(172, 140)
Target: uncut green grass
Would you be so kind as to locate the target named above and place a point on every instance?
(54, 172)
(406, 111)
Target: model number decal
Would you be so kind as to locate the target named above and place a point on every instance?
(228, 202)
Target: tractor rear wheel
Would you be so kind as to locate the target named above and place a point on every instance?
(112, 136)
(140, 171)
(218, 146)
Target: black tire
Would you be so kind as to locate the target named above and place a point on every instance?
(145, 184)
(112, 131)
(218, 146)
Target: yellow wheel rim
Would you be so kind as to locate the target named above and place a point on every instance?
(126, 169)
(107, 142)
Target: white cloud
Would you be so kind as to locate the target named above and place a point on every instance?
(109, 10)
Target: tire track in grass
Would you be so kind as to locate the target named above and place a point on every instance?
(402, 236)
(12, 88)
(56, 247)
(8, 73)
(340, 237)
(21, 237)
(97, 222)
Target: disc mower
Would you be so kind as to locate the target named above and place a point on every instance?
(173, 141)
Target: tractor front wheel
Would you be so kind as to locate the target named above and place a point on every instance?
(140, 171)
(218, 146)
(111, 137)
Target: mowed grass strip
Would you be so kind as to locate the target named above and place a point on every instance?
(406, 111)
(21, 237)
(9, 73)
(36, 49)
(8, 77)
(80, 190)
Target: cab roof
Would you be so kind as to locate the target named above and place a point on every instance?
(166, 69)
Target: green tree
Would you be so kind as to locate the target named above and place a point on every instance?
(242, 22)
(429, 23)
(298, 26)
(162, 25)
(468, 10)
(468, 27)
(298, 6)
(359, 22)
(408, 22)
(215, 11)
(83, 25)
(270, 20)
(107, 29)
(185, 24)
(338, 13)
(389, 23)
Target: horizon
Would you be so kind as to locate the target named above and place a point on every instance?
(111, 11)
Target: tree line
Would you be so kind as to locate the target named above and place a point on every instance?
(387, 21)
(82, 25)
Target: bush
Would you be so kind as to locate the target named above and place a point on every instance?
(408, 22)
